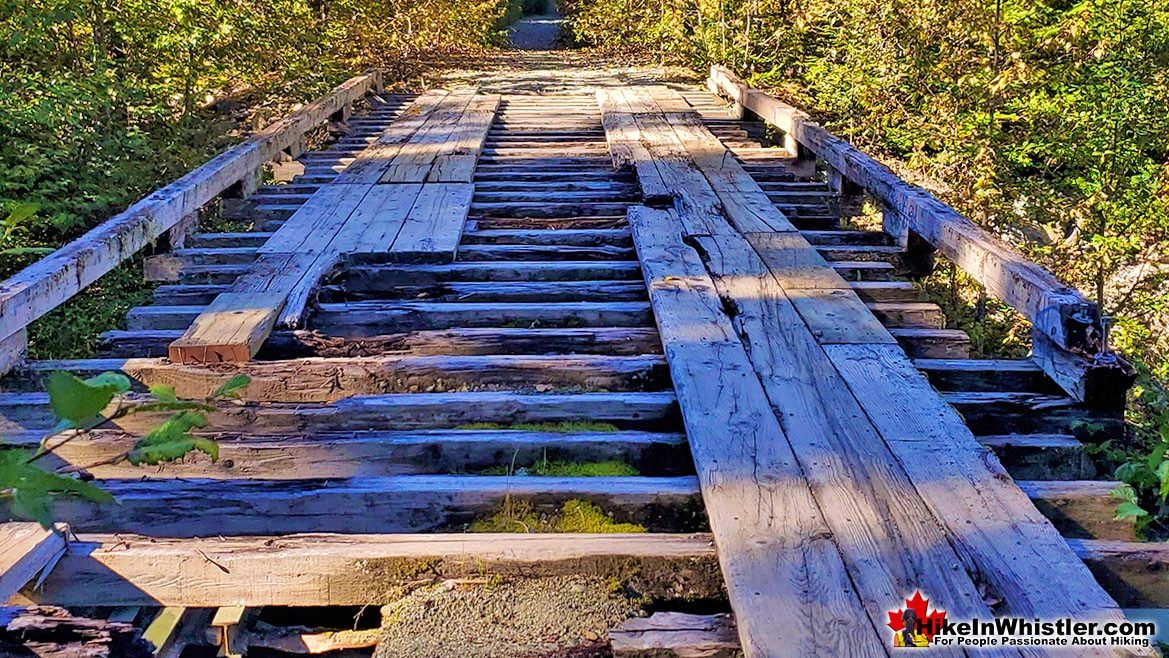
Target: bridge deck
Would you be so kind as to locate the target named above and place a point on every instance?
(467, 280)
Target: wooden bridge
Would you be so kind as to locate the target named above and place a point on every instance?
(458, 274)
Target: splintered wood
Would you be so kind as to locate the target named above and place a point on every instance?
(827, 486)
(405, 197)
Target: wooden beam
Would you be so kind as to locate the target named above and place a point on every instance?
(30, 412)
(44, 285)
(676, 635)
(755, 494)
(27, 549)
(412, 503)
(328, 570)
(1133, 572)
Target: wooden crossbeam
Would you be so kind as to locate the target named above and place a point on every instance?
(324, 570)
(27, 549)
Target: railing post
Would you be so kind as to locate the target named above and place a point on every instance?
(13, 351)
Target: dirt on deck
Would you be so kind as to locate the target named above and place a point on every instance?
(547, 617)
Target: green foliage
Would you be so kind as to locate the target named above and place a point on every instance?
(1141, 465)
(81, 405)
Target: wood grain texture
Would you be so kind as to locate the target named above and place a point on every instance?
(325, 569)
(778, 556)
(26, 549)
(993, 525)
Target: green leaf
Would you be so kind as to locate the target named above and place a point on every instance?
(172, 440)
(32, 488)
(232, 387)
(164, 393)
(80, 401)
(26, 251)
(1124, 492)
(1128, 510)
(19, 213)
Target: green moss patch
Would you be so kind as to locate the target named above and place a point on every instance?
(573, 516)
(557, 468)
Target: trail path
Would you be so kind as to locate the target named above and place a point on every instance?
(540, 32)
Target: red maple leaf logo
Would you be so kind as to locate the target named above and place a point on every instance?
(931, 620)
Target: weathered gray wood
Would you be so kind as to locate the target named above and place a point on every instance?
(969, 492)
(43, 286)
(21, 412)
(371, 163)
(324, 570)
(375, 453)
(375, 318)
(676, 635)
(412, 503)
(459, 341)
(434, 225)
(756, 497)
(868, 501)
(324, 380)
(1041, 456)
(27, 549)
(1081, 509)
(1132, 572)
(51, 632)
(13, 350)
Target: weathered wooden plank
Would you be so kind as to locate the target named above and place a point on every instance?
(43, 286)
(234, 326)
(371, 163)
(329, 379)
(1132, 572)
(676, 635)
(434, 225)
(376, 453)
(1081, 508)
(456, 164)
(27, 549)
(969, 492)
(21, 412)
(377, 220)
(417, 156)
(869, 502)
(327, 570)
(775, 549)
(411, 503)
(312, 227)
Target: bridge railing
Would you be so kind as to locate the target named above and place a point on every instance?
(46, 284)
(1068, 334)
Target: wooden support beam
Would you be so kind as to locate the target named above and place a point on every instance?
(327, 570)
(754, 491)
(27, 549)
(331, 379)
(676, 635)
(413, 503)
